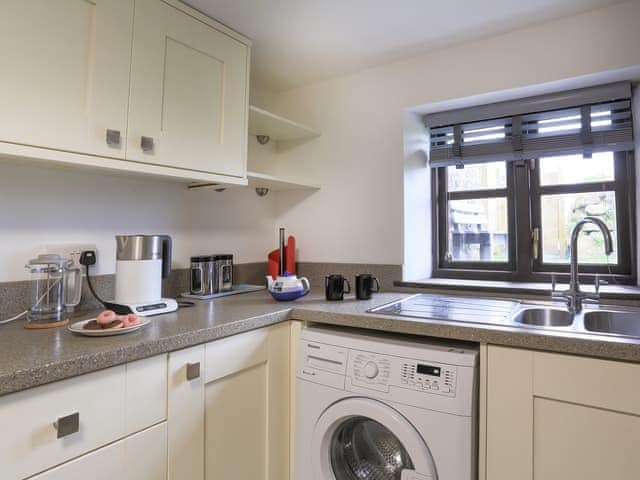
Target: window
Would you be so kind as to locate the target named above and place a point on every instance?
(569, 188)
(507, 192)
(476, 212)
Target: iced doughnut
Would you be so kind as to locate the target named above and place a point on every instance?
(130, 320)
(106, 317)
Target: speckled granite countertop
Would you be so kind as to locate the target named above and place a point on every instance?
(29, 358)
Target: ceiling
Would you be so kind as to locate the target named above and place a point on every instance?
(301, 41)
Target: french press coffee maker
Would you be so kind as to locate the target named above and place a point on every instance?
(55, 288)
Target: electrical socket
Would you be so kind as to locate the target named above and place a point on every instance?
(71, 251)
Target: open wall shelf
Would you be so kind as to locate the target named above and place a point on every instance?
(276, 127)
(257, 180)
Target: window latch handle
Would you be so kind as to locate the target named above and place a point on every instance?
(535, 242)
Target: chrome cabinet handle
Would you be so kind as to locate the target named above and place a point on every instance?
(193, 371)
(113, 137)
(146, 143)
(67, 425)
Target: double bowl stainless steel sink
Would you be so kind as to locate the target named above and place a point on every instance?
(594, 319)
(602, 320)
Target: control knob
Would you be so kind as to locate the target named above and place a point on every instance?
(371, 370)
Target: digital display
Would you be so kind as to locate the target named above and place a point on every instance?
(428, 370)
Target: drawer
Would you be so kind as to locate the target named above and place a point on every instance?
(51, 424)
(587, 381)
(140, 456)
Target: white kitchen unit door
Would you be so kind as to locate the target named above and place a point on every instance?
(561, 417)
(65, 74)
(142, 456)
(189, 92)
(186, 414)
(247, 406)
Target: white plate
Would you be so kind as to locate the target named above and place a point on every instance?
(77, 328)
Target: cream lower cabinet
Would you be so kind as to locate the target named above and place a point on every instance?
(65, 73)
(142, 456)
(561, 417)
(232, 418)
(114, 416)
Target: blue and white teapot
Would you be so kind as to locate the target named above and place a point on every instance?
(287, 287)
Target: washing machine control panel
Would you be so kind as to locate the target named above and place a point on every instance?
(428, 377)
(370, 370)
(380, 372)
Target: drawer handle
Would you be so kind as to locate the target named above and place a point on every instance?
(67, 425)
(113, 137)
(193, 371)
(146, 143)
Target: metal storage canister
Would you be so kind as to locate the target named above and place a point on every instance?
(224, 272)
(203, 275)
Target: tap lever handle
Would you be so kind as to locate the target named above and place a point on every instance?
(553, 282)
(598, 283)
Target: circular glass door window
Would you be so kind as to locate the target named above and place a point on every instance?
(363, 449)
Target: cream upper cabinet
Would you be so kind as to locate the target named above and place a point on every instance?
(65, 74)
(189, 92)
(561, 417)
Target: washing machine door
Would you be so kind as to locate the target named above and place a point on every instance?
(364, 439)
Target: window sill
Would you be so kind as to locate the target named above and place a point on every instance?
(612, 292)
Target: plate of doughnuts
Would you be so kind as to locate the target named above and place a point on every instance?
(108, 323)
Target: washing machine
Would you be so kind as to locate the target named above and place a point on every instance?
(382, 407)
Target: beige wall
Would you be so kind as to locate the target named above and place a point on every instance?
(358, 215)
(42, 205)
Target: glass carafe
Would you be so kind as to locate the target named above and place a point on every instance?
(56, 287)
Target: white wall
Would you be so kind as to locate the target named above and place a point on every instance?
(357, 216)
(42, 205)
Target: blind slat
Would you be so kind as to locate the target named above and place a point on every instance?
(587, 128)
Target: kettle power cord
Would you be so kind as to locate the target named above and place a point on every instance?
(88, 258)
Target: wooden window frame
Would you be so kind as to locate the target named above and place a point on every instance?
(523, 194)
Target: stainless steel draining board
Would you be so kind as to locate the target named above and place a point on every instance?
(453, 309)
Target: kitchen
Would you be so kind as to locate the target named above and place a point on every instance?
(353, 190)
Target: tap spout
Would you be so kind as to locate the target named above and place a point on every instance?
(608, 243)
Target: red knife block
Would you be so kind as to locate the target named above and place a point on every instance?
(273, 259)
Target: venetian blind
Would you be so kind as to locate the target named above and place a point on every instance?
(583, 121)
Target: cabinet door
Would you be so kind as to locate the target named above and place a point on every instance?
(186, 414)
(509, 419)
(561, 417)
(247, 406)
(65, 73)
(188, 93)
(140, 456)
